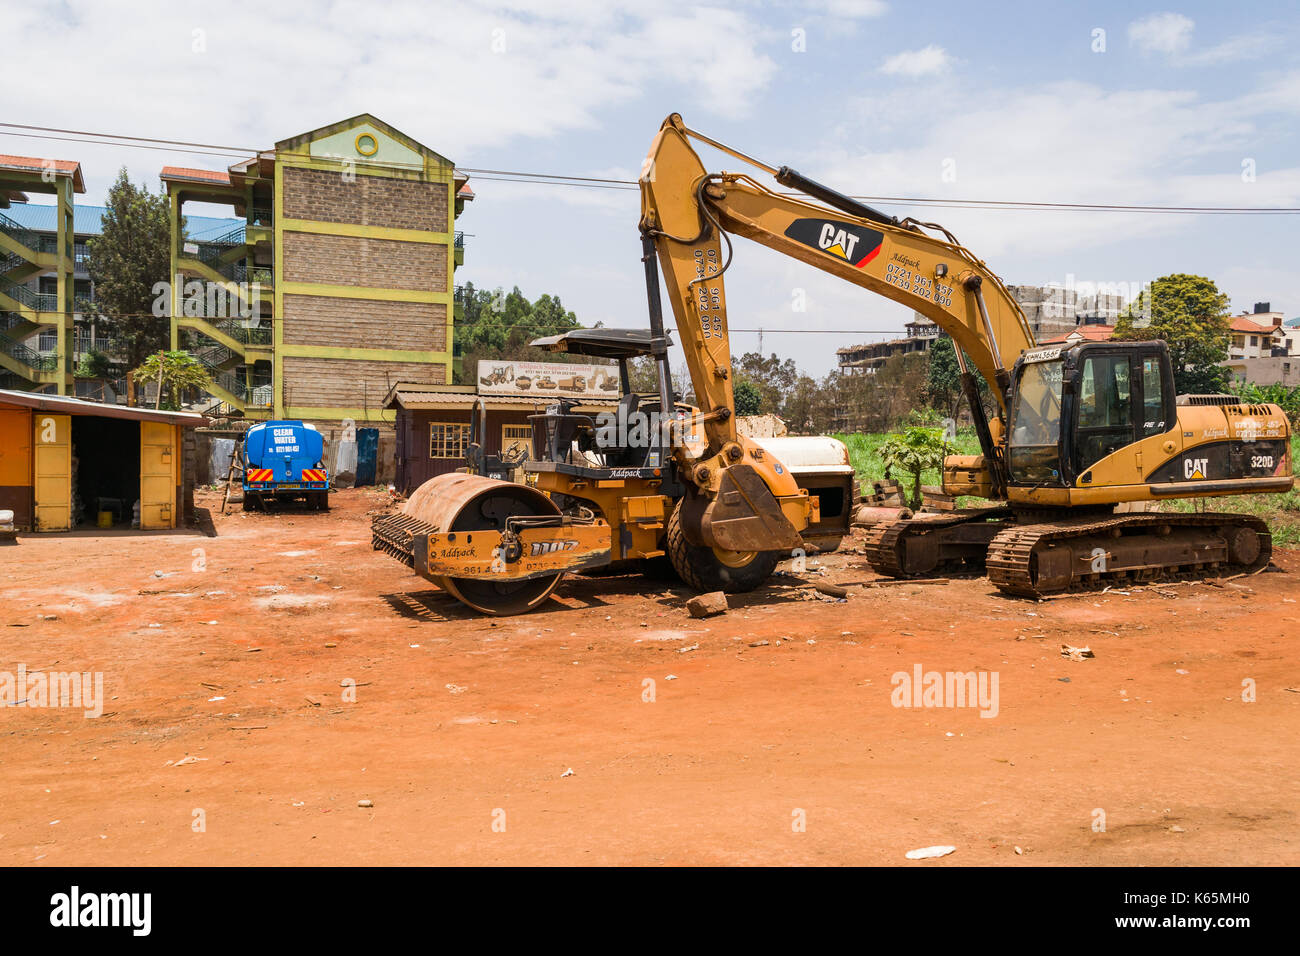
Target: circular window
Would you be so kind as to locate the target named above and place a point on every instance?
(366, 144)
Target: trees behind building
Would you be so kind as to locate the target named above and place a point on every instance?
(131, 255)
(1186, 311)
(1191, 315)
(498, 325)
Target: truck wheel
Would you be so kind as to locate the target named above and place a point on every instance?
(713, 569)
(250, 501)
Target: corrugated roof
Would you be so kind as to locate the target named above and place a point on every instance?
(87, 220)
(78, 406)
(458, 400)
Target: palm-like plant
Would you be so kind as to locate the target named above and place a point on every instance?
(910, 454)
(175, 371)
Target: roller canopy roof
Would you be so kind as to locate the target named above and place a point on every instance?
(602, 343)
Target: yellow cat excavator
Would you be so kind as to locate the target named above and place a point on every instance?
(1079, 429)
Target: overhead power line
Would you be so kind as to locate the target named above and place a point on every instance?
(599, 182)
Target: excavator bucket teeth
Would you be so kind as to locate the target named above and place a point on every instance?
(745, 515)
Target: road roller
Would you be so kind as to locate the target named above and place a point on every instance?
(600, 492)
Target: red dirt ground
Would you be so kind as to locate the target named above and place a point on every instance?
(460, 721)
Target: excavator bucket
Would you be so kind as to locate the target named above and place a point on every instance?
(745, 515)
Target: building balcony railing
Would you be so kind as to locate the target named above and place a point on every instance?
(10, 260)
(40, 301)
(235, 329)
(20, 233)
(236, 383)
(28, 356)
(242, 272)
(261, 216)
(111, 346)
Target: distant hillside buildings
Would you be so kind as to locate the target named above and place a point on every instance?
(1053, 313)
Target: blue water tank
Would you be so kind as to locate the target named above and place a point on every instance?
(286, 447)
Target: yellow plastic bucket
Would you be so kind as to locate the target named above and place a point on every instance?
(106, 519)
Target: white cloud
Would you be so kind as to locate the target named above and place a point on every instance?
(459, 77)
(927, 61)
(1161, 33)
(854, 9)
(1244, 47)
(1067, 142)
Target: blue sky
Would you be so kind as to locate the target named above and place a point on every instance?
(1016, 98)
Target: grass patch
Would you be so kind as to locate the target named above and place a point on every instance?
(864, 456)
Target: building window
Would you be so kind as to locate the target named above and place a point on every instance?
(366, 144)
(48, 340)
(517, 435)
(447, 440)
(1254, 340)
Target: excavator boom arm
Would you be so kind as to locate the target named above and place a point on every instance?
(689, 212)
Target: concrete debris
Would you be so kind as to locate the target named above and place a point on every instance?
(708, 605)
(1076, 653)
(930, 852)
(833, 590)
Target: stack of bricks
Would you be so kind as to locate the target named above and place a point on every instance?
(933, 498)
(886, 493)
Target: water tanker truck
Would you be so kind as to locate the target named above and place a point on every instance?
(284, 461)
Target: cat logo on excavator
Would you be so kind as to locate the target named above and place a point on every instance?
(856, 245)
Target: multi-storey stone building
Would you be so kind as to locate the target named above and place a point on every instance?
(338, 282)
(1054, 311)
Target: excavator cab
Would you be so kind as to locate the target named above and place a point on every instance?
(1074, 405)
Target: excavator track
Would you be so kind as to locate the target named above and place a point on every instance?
(1037, 560)
(889, 550)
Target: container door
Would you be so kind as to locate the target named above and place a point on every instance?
(52, 440)
(16, 465)
(157, 475)
(367, 455)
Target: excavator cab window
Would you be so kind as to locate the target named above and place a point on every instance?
(1036, 424)
(1105, 401)
(1157, 392)
(1123, 393)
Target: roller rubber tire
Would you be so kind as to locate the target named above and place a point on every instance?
(700, 568)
